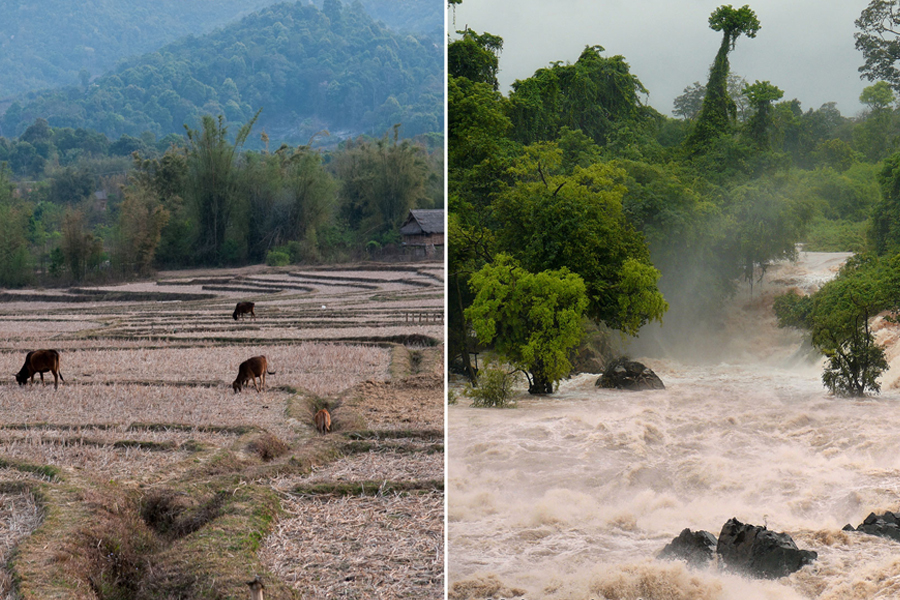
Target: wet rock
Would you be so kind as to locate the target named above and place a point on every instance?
(592, 353)
(696, 548)
(629, 375)
(758, 552)
(886, 525)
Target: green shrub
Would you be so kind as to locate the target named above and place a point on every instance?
(277, 259)
(494, 389)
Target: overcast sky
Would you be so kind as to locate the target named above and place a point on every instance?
(805, 47)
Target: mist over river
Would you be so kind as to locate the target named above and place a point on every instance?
(571, 496)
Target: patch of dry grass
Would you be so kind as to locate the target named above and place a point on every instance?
(390, 466)
(148, 364)
(19, 516)
(361, 547)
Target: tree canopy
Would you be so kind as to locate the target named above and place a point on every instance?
(878, 41)
(533, 319)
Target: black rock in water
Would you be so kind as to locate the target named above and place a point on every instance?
(758, 552)
(629, 375)
(886, 525)
(697, 548)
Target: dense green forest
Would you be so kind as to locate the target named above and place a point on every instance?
(307, 69)
(53, 43)
(571, 176)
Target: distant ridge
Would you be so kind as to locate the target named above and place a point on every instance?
(308, 69)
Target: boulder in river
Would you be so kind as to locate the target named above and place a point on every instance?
(758, 552)
(624, 374)
(886, 525)
(696, 548)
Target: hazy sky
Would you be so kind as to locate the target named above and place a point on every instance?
(805, 47)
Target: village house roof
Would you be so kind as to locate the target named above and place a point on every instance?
(423, 222)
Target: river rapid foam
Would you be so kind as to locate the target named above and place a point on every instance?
(571, 496)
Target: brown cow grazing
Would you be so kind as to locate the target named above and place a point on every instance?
(40, 361)
(323, 421)
(251, 369)
(242, 309)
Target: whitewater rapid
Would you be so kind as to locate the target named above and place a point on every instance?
(572, 496)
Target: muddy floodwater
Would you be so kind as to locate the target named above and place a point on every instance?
(572, 496)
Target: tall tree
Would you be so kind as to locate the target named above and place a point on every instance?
(14, 259)
(761, 95)
(142, 218)
(875, 134)
(476, 57)
(879, 25)
(213, 182)
(81, 250)
(838, 319)
(380, 183)
(719, 112)
(310, 192)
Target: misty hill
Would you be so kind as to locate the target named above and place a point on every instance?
(48, 43)
(307, 69)
(416, 16)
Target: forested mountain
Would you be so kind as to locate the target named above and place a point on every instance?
(51, 43)
(307, 69)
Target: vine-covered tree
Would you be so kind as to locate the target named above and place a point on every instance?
(476, 57)
(596, 95)
(718, 113)
(762, 95)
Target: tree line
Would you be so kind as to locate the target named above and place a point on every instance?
(630, 216)
(206, 200)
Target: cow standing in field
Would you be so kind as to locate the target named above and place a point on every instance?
(323, 421)
(242, 309)
(40, 361)
(251, 369)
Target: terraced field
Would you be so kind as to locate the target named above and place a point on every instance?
(145, 476)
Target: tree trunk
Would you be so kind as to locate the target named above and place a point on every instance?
(539, 384)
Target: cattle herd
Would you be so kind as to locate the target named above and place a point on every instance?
(255, 369)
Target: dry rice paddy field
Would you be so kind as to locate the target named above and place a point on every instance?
(146, 476)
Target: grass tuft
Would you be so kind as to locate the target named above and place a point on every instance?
(268, 447)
